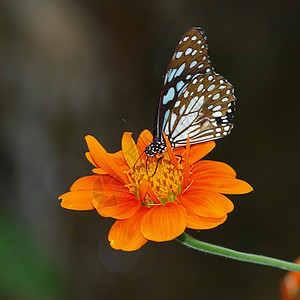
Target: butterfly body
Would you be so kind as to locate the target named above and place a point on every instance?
(195, 101)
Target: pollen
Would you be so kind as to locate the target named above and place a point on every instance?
(163, 177)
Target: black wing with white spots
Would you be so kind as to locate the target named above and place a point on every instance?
(194, 101)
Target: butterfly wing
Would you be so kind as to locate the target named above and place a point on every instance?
(204, 111)
(194, 101)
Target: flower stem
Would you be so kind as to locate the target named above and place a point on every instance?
(189, 241)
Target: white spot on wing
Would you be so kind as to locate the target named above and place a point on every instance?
(216, 96)
(200, 87)
(211, 87)
(217, 108)
(180, 70)
(217, 114)
(166, 117)
(179, 85)
(182, 89)
(173, 119)
(187, 121)
(186, 93)
(188, 51)
(182, 109)
(193, 64)
(171, 75)
(178, 54)
(198, 104)
(169, 96)
(166, 77)
(191, 104)
(206, 132)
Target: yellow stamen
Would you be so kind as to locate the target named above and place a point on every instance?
(164, 178)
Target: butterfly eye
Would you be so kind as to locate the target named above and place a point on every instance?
(195, 101)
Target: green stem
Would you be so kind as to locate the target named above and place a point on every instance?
(189, 241)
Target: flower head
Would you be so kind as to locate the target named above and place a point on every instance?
(290, 285)
(154, 197)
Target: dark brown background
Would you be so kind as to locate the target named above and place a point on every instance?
(71, 68)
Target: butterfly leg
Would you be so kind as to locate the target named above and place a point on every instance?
(147, 163)
(138, 160)
(179, 156)
(158, 160)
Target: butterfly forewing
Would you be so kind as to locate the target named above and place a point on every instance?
(190, 58)
(195, 101)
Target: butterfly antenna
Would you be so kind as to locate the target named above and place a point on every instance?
(130, 127)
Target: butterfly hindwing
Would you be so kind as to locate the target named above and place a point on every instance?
(203, 110)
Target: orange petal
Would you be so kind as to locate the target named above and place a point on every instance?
(126, 234)
(204, 168)
(99, 171)
(112, 199)
(78, 200)
(171, 152)
(179, 151)
(107, 162)
(198, 151)
(124, 210)
(116, 156)
(90, 159)
(85, 183)
(144, 140)
(222, 184)
(205, 203)
(130, 150)
(145, 188)
(164, 223)
(290, 285)
(198, 222)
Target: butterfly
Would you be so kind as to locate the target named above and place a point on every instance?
(195, 101)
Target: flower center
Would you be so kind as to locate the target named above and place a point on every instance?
(163, 177)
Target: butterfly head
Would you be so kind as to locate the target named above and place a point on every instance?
(156, 147)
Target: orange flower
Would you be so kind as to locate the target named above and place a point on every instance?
(290, 285)
(154, 200)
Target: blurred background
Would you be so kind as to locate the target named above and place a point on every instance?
(72, 68)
